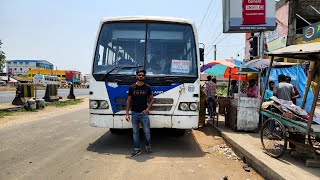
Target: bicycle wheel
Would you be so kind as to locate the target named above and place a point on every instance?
(273, 138)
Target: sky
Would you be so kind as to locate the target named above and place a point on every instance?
(63, 32)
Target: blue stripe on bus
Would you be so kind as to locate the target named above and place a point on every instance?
(121, 92)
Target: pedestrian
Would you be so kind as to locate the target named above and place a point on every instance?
(252, 90)
(283, 90)
(210, 96)
(138, 96)
(269, 92)
(296, 92)
(234, 88)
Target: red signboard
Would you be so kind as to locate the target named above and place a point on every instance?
(9, 71)
(253, 12)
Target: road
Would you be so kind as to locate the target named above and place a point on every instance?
(64, 146)
(8, 96)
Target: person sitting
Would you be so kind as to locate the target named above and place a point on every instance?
(269, 92)
(252, 90)
(124, 61)
(296, 92)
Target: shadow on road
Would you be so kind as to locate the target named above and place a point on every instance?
(164, 144)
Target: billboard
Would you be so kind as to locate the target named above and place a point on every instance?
(311, 32)
(241, 16)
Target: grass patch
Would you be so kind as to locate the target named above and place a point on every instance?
(10, 113)
(68, 103)
(3, 114)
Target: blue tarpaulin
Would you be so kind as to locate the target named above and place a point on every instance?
(298, 79)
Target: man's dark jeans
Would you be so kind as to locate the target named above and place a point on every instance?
(145, 121)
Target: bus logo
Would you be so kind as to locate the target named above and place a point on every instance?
(191, 88)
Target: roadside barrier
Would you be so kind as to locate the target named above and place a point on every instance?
(51, 93)
(71, 94)
(23, 93)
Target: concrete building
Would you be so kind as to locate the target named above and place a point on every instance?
(290, 27)
(21, 67)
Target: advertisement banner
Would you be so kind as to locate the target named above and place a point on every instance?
(248, 16)
(311, 32)
(277, 44)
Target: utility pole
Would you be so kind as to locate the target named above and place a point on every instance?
(215, 51)
(261, 49)
(292, 23)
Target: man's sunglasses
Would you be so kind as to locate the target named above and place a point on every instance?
(141, 75)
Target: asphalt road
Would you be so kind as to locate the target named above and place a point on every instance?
(8, 96)
(66, 147)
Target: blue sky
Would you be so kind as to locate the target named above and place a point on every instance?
(63, 31)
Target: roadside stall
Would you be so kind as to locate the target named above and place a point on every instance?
(285, 118)
(221, 68)
(241, 111)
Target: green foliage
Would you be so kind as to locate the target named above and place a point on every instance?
(67, 103)
(222, 91)
(2, 58)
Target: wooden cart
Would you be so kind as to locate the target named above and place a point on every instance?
(276, 129)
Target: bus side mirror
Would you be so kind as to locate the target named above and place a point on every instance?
(201, 50)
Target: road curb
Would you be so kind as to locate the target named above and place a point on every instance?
(263, 169)
(11, 109)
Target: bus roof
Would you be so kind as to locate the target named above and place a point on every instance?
(148, 18)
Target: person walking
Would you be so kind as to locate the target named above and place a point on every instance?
(138, 96)
(210, 96)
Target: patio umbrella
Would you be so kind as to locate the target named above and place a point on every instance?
(223, 70)
(260, 63)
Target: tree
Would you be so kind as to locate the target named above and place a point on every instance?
(2, 58)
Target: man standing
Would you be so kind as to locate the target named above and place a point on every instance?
(283, 90)
(138, 96)
(296, 92)
(269, 92)
(210, 94)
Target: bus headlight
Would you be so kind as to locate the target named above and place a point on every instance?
(193, 106)
(94, 104)
(104, 105)
(184, 106)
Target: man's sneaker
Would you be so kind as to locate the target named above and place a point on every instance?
(135, 153)
(148, 150)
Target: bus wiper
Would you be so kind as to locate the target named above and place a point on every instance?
(118, 67)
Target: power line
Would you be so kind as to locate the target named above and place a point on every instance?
(209, 17)
(208, 8)
(217, 43)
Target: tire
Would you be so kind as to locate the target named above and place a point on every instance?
(274, 143)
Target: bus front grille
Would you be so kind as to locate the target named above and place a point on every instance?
(160, 104)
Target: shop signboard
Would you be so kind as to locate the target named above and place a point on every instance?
(241, 16)
(311, 32)
(281, 42)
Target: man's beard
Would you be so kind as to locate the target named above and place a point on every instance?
(141, 80)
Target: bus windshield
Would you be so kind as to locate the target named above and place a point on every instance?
(163, 49)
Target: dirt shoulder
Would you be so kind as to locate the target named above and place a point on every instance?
(49, 111)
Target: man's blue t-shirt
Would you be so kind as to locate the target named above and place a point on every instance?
(268, 95)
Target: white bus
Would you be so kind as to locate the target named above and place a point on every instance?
(167, 48)
(44, 80)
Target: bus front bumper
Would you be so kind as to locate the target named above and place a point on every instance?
(156, 121)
